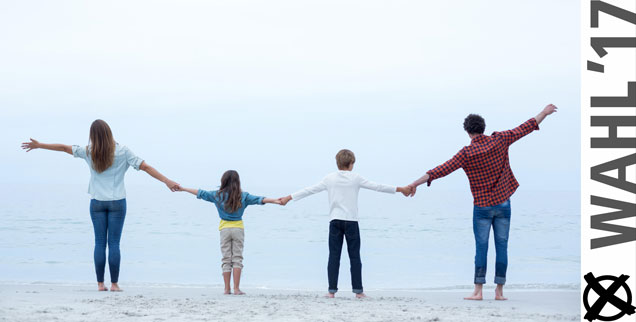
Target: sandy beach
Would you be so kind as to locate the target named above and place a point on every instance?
(54, 302)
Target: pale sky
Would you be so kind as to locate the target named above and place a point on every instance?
(274, 89)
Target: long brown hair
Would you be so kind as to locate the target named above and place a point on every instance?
(230, 191)
(102, 146)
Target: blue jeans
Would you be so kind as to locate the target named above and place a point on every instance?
(349, 230)
(499, 218)
(108, 222)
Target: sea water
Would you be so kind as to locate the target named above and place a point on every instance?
(425, 242)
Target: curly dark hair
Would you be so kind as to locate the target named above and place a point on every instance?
(474, 124)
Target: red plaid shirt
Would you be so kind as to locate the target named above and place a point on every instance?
(486, 164)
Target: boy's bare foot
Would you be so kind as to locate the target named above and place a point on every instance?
(115, 288)
(238, 292)
(330, 295)
(361, 296)
(101, 287)
(499, 293)
(477, 293)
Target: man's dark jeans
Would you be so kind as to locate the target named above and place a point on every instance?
(339, 229)
(497, 217)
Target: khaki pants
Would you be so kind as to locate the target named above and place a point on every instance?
(232, 248)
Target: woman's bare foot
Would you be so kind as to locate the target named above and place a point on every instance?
(330, 295)
(477, 293)
(101, 287)
(499, 293)
(115, 288)
(238, 292)
(361, 296)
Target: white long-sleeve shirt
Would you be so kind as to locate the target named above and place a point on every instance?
(343, 187)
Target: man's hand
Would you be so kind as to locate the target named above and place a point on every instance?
(413, 189)
(34, 144)
(549, 109)
(406, 190)
(284, 200)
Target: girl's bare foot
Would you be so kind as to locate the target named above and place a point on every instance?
(361, 296)
(238, 292)
(330, 295)
(477, 294)
(115, 288)
(101, 287)
(499, 293)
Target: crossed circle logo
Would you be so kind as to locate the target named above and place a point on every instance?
(607, 295)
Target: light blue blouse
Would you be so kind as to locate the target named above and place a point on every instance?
(109, 185)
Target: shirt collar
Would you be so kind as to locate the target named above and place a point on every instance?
(478, 138)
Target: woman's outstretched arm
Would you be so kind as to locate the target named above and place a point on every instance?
(173, 186)
(35, 144)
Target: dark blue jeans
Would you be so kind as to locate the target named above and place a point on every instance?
(108, 222)
(497, 217)
(349, 230)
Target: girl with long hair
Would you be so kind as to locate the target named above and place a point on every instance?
(108, 162)
(230, 202)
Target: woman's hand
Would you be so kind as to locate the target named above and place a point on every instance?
(34, 144)
(173, 186)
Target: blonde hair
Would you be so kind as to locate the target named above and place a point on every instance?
(345, 158)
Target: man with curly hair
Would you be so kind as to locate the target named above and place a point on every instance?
(487, 166)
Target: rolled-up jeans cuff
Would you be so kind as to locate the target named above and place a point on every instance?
(480, 280)
(357, 291)
(333, 291)
(500, 280)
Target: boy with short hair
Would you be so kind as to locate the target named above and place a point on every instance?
(343, 187)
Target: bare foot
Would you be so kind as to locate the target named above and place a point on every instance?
(361, 296)
(500, 298)
(330, 295)
(477, 293)
(499, 293)
(475, 297)
(101, 287)
(238, 292)
(227, 292)
(115, 288)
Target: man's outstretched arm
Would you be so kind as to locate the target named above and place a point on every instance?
(511, 136)
(440, 171)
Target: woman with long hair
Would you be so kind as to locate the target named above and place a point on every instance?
(108, 162)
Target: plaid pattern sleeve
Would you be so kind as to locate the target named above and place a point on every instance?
(456, 162)
(511, 136)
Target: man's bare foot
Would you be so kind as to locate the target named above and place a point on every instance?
(227, 292)
(477, 293)
(499, 293)
(475, 297)
(238, 292)
(115, 288)
(101, 287)
(330, 295)
(361, 296)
